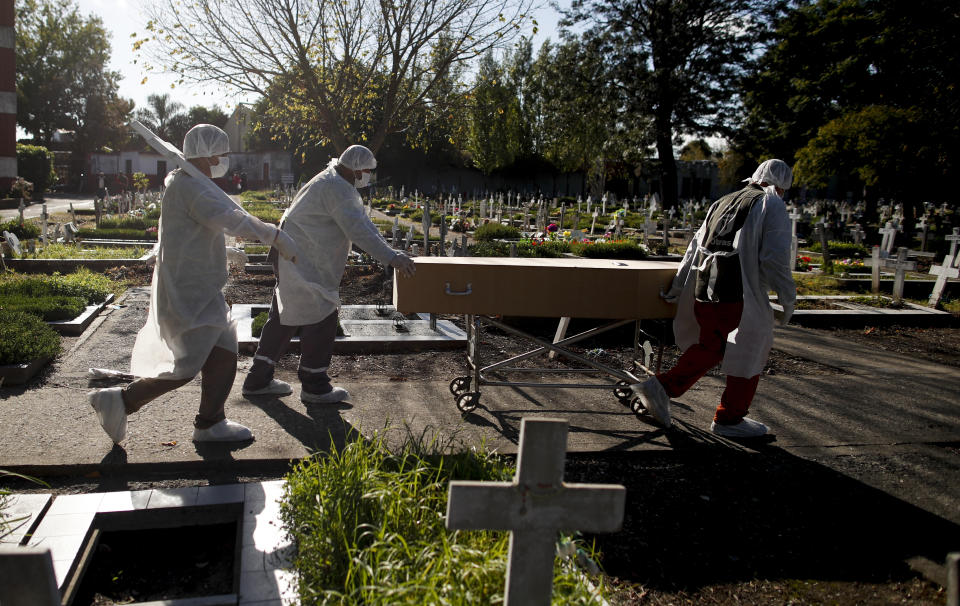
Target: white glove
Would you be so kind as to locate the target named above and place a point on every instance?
(286, 246)
(404, 264)
(787, 313)
(672, 295)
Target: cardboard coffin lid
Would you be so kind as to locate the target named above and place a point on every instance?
(577, 288)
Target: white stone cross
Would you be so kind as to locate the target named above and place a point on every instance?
(534, 507)
(943, 272)
(794, 217)
(924, 231)
(889, 233)
(900, 265)
(953, 239)
(858, 234)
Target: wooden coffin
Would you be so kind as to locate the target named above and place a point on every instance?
(576, 288)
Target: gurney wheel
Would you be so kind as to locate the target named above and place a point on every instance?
(623, 392)
(460, 385)
(467, 402)
(637, 407)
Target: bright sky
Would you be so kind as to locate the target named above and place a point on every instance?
(123, 18)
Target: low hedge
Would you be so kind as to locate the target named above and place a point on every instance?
(135, 223)
(116, 234)
(27, 230)
(49, 309)
(25, 337)
(609, 250)
(846, 249)
(74, 251)
(495, 231)
(91, 287)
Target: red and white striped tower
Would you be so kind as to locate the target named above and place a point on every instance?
(8, 98)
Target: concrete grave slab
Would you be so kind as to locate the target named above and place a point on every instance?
(366, 331)
(70, 527)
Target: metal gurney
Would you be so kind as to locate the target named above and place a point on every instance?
(481, 288)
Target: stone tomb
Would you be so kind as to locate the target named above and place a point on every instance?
(69, 528)
(368, 329)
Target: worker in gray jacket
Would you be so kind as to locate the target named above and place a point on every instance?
(739, 254)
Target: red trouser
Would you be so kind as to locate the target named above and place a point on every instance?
(716, 321)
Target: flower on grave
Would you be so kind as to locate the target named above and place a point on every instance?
(803, 263)
(553, 227)
(566, 233)
(151, 230)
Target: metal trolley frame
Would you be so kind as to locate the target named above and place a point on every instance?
(468, 399)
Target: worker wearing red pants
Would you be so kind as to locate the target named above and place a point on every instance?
(739, 254)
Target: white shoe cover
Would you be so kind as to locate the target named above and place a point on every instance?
(338, 394)
(655, 400)
(224, 431)
(108, 404)
(746, 428)
(274, 388)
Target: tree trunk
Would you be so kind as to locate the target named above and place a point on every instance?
(668, 167)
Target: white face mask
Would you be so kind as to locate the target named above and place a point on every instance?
(221, 169)
(363, 181)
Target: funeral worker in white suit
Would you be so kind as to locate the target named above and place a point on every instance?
(739, 254)
(325, 220)
(188, 329)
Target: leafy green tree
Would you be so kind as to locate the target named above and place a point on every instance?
(696, 149)
(581, 127)
(494, 118)
(35, 164)
(676, 62)
(864, 91)
(62, 76)
(348, 71)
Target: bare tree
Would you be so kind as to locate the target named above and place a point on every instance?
(361, 69)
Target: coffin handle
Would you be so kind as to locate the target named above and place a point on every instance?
(459, 294)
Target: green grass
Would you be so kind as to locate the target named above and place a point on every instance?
(78, 251)
(256, 249)
(495, 231)
(265, 211)
(369, 526)
(254, 194)
(25, 337)
(256, 329)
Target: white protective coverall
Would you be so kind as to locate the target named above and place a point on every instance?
(188, 315)
(324, 220)
(764, 252)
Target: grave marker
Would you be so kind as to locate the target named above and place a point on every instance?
(889, 233)
(953, 239)
(20, 208)
(534, 507)
(794, 217)
(426, 227)
(943, 272)
(824, 242)
(924, 230)
(900, 265)
(857, 233)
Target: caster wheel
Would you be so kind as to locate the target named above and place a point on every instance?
(460, 385)
(623, 392)
(637, 407)
(468, 401)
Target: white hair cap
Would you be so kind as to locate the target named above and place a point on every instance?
(205, 141)
(773, 172)
(358, 157)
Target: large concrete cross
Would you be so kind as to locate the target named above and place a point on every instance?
(953, 239)
(889, 233)
(534, 507)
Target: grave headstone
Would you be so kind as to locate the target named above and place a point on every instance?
(889, 233)
(534, 507)
(794, 217)
(20, 208)
(923, 233)
(953, 239)
(943, 272)
(824, 242)
(857, 233)
(426, 227)
(900, 265)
